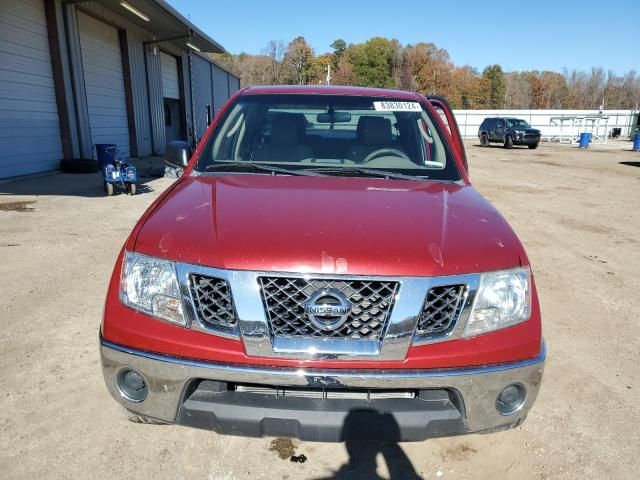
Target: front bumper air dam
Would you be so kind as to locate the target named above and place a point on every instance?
(449, 402)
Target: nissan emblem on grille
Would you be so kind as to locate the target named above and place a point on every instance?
(328, 309)
(369, 301)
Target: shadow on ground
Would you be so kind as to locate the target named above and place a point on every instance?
(499, 145)
(81, 184)
(360, 427)
(630, 164)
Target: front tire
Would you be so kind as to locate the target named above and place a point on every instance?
(508, 142)
(132, 188)
(484, 140)
(533, 146)
(108, 187)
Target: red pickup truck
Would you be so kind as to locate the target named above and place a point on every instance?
(323, 269)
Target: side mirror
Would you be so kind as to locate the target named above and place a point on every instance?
(177, 154)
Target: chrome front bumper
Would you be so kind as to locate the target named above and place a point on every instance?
(170, 381)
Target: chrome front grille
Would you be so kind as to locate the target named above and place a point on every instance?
(213, 302)
(441, 310)
(324, 393)
(284, 299)
(296, 316)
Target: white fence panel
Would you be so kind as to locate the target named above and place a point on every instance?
(556, 125)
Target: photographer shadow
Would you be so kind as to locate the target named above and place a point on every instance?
(368, 433)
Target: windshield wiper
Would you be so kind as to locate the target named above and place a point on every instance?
(372, 172)
(248, 166)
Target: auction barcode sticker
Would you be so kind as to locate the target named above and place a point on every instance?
(397, 106)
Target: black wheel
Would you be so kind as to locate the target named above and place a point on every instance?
(533, 146)
(79, 165)
(508, 141)
(108, 187)
(132, 188)
(484, 140)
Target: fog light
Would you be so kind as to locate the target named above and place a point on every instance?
(132, 385)
(510, 399)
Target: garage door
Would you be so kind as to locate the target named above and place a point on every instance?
(104, 83)
(29, 129)
(220, 87)
(169, 72)
(202, 95)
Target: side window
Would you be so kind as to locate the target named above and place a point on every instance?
(226, 147)
(500, 124)
(443, 117)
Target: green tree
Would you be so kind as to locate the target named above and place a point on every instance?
(298, 61)
(494, 78)
(372, 62)
(319, 68)
(339, 46)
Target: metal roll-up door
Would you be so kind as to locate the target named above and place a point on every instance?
(234, 84)
(173, 122)
(104, 83)
(202, 94)
(220, 87)
(29, 125)
(169, 73)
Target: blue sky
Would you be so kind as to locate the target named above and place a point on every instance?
(519, 35)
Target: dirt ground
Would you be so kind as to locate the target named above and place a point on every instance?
(577, 213)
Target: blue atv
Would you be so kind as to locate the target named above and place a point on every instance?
(116, 173)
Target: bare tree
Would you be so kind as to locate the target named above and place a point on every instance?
(275, 51)
(297, 61)
(595, 87)
(517, 90)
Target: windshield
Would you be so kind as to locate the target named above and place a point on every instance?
(516, 123)
(331, 134)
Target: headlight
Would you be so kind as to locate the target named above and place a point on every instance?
(150, 285)
(503, 299)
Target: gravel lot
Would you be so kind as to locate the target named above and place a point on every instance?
(577, 213)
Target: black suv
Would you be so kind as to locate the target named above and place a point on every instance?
(509, 132)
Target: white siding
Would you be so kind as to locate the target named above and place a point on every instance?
(29, 126)
(104, 83)
(169, 72)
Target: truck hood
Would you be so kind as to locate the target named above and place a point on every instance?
(359, 226)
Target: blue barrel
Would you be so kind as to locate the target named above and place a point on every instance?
(636, 143)
(585, 138)
(106, 153)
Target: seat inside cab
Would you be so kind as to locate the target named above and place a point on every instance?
(291, 137)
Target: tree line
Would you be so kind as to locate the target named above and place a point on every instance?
(427, 69)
